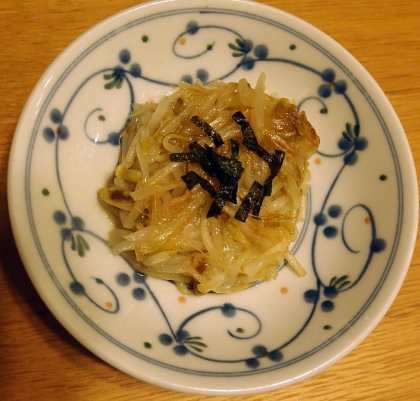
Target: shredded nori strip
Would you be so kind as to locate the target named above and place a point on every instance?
(182, 157)
(207, 128)
(234, 149)
(227, 192)
(274, 161)
(229, 170)
(275, 165)
(223, 166)
(223, 195)
(212, 163)
(191, 179)
(250, 141)
(197, 154)
(253, 198)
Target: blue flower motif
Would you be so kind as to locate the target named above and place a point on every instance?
(187, 78)
(339, 283)
(115, 78)
(351, 159)
(123, 279)
(328, 75)
(351, 141)
(114, 138)
(377, 245)
(252, 363)
(228, 310)
(340, 87)
(182, 335)
(325, 90)
(241, 47)
(275, 355)
(77, 223)
(335, 211)
(260, 351)
(330, 292)
(165, 339)
(261, 52)
(311, 296)
(79, 244)
(135, 70)
(192, 27)
(247, 63)
(195, 343)
(330, 231)
(327, 306)
(125, 56)
(184, 341)
(77, 288)
(320, 219)
(180, 350)
(202, 75)
(62, 132)
(66, 234)
(139, 294)
(48, 134)
(56, 116)
(60, 217)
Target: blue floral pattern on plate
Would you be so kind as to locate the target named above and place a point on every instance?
(348, 241)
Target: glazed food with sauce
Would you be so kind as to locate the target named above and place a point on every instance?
(210, 186)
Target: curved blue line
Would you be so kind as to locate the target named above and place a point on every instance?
(370, 254)
(305, 325)
(317, 226)
(67, 264)
(193, 316)
(400, 209)
(204, 51)
(313, 98)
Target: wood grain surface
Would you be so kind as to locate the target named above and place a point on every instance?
(39, 360)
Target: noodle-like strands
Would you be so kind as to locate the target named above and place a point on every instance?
(162, 225)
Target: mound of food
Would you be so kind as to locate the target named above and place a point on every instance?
(210, 185)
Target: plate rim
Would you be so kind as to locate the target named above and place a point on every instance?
(41, 84)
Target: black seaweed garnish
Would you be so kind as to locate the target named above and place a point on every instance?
(274, 161)
(224, 167)
(212, 163)
(229, 170)
(253, 199)
(275, 165)
(227, 192)
(250, 141)
(207, 128)
(182, 157)
(191, 179)
(234, 149)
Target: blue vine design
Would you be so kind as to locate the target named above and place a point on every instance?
(351, 143)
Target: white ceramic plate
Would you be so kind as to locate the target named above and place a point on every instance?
(356, 242)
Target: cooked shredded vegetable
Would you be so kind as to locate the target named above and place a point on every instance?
(210, 186)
